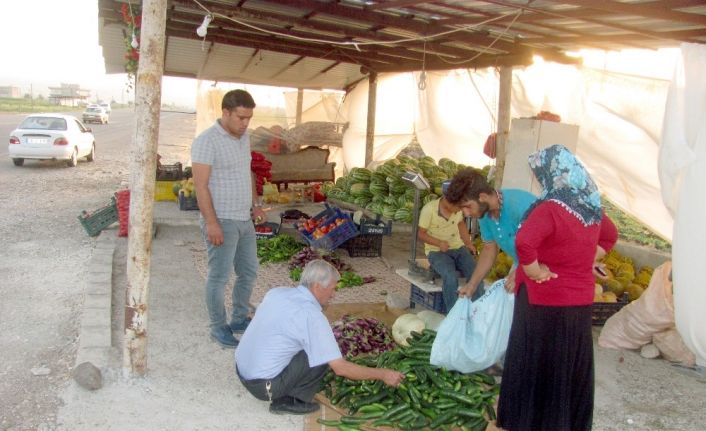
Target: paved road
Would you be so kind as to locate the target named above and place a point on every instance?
(44, 255)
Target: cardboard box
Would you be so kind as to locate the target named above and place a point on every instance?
(329, 411)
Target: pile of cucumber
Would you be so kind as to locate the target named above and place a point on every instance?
(430, 397)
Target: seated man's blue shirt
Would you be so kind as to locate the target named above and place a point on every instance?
(502, 231)
(287, 321)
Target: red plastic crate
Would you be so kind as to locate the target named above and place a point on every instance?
(122, 202)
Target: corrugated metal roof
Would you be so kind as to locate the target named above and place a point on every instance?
(312, 44)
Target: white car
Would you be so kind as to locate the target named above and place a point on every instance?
(106, 106)
(51, 137)
(96, 114)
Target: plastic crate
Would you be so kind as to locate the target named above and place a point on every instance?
(335, 237)
(187, 204)
(99, 219)
(263, 235)
(431, 300)
(375, 227)
(170, 172)
(163, 191)
(601, 311)
(364, 245)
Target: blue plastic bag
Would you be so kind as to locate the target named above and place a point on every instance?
(474, 334)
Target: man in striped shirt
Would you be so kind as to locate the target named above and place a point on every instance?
(227, 199)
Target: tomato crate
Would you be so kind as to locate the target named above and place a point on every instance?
(601, 311)
(170, 172)
(187, 203)
(94, 222)
(337, 236)
(433, 300)
(267, 235)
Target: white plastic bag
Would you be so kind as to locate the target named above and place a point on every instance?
(474, 334)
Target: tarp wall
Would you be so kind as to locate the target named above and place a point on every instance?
(619, 118)
(682, 163)
(316, 106)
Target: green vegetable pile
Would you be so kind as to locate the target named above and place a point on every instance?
(630, 229)
(430, 397)
(383, 191)
(278, 249)
(349, 279)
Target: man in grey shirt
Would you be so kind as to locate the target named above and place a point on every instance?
(225, 188)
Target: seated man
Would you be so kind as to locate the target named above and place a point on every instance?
(289, 345)
(447, 243)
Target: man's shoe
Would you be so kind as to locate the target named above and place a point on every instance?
(292, 406)
(240, 327)
(223, 336)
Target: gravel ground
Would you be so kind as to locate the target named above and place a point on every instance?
(277, 274)
(43, 265)
(43, 262)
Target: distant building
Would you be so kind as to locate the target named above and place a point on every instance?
(10, 91)
(69, 95)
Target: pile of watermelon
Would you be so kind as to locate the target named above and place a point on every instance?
(382, 190)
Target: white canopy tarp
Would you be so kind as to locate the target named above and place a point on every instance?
(682, 168)
(619, 118)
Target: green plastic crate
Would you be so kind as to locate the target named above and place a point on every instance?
(94, 222)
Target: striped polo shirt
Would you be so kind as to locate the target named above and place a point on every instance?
(230, 182)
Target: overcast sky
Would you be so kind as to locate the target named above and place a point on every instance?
(46, 42)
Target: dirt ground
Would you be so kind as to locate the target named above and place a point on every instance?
(190, 384)
(43, 262)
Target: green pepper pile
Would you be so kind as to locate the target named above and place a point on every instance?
(278, 249)
(430, 397)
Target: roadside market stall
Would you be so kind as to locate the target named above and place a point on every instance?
(469, 36)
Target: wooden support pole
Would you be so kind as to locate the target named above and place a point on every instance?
(504, 108)
(143, 165)
(370, 131)
(300, 105)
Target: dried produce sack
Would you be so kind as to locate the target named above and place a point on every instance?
(474, 334)
(653, 312)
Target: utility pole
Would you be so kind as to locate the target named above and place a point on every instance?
(143, 165)
(504, 112)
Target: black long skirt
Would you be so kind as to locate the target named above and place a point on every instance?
(547, 381)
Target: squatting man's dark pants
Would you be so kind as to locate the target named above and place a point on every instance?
(297, 380)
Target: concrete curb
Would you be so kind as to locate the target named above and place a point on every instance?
(95, 332)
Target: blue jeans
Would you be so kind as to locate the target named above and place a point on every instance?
(445, 264)
(239, 252)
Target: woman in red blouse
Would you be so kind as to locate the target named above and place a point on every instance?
(547, 381)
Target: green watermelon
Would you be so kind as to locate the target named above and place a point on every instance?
(402, 214)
